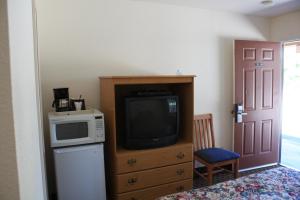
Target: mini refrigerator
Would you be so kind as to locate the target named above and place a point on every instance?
(80, 172)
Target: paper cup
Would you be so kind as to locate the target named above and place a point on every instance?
(78, 105)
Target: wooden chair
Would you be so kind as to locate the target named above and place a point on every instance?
(205, 151)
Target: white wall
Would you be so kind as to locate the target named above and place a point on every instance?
(80, 40)
(9, 185)
(286, 27)
(25, 101)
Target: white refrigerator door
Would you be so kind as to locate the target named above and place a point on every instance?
(80, 173)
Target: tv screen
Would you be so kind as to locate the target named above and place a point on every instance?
(151, 121)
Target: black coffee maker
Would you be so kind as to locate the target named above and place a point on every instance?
(61, 99)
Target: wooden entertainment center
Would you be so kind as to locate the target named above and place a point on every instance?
(149, 173)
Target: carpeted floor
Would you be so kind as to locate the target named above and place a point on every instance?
(225, 176)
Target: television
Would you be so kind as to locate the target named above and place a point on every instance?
(151, 121)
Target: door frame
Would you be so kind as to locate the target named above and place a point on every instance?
(27, 101)
(282, 86)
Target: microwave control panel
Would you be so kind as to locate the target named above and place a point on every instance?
(99, 120)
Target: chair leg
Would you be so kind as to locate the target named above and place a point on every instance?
(209, 175)
(236, 168)
(194, 170)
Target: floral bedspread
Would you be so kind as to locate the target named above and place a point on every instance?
(277, 183)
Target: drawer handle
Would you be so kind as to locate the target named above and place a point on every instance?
(180, 155)
(131, 161)
(180, 171)
(133, 198)
(180, 188)
(132, 181)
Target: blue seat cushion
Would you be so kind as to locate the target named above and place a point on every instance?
(214, 155)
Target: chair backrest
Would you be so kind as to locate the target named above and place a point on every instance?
(203, 132)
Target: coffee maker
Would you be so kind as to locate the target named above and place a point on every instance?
(61, 99)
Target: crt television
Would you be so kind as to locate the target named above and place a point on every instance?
(151, 121)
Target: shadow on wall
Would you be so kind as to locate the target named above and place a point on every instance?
(77, 85)
(260, 27)
(225, 105)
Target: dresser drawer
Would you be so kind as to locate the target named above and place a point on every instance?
(158, 191)
(152, 158)
(153, 177)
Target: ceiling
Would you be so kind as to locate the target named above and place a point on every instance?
(251, 7)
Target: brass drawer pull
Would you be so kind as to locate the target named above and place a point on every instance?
(131, 161)
(180, 155)
(132, 181)
(180, 171)
(180, 188)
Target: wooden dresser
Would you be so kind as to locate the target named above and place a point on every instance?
(150, 173)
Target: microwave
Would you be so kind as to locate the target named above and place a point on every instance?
(76, 127)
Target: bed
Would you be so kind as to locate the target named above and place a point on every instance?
(277, 183)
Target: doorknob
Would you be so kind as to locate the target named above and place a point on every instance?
(239, 112)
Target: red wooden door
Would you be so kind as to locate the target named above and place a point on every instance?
(258, 89)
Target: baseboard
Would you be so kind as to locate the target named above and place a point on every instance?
(261, 166)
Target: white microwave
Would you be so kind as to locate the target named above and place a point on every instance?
(76, 127)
